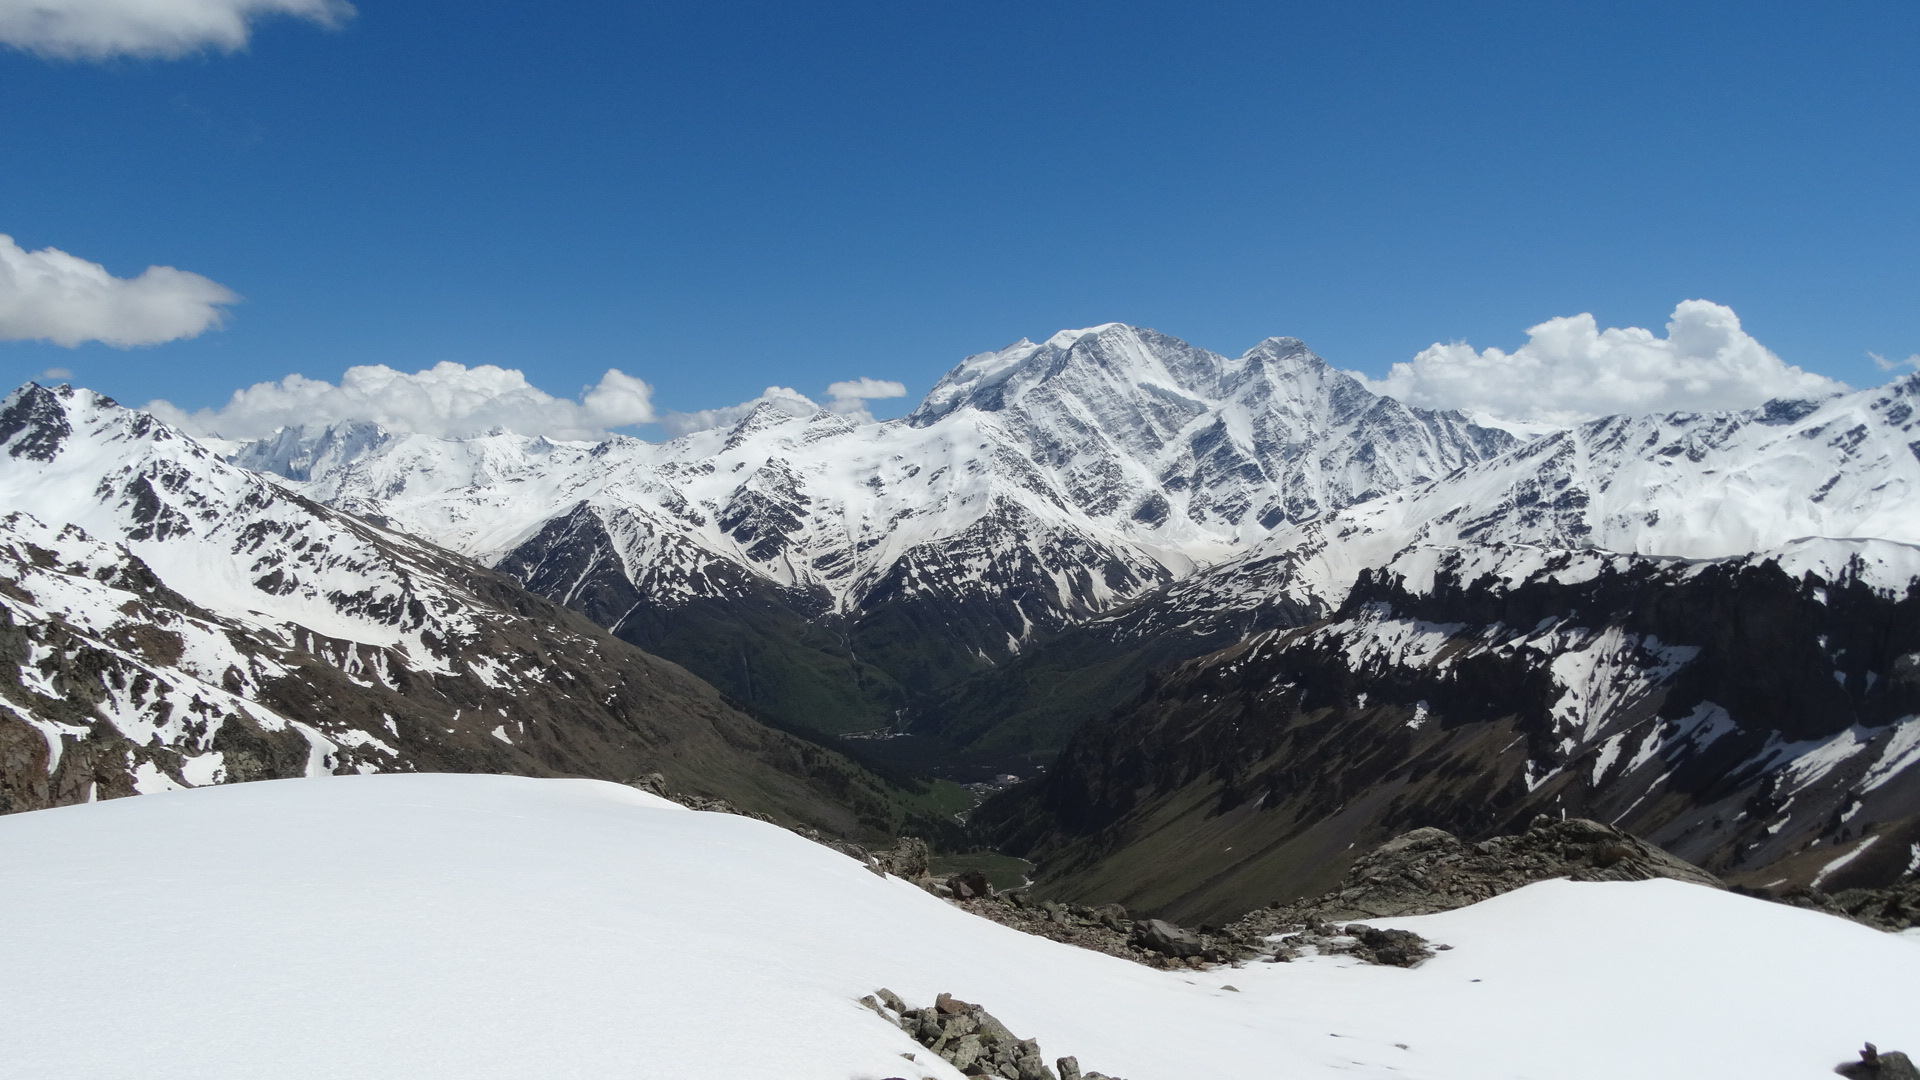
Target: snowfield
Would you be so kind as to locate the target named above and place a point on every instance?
(487, 926)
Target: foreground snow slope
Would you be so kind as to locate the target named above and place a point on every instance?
(473, 926)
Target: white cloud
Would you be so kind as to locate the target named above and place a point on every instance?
(95, 29)
(852, 395)
(1885, 364)
(848, 398)
(448, 400)
(55, 374)
(1571, 370)
(789, 401)
(49, 295)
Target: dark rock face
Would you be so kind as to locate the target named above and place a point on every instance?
(1748, 721)
(33, 425)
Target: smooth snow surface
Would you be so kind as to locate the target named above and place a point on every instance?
(473, 927)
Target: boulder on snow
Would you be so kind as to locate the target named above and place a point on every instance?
(1395, 948)
(1167, 939)
(969, 884)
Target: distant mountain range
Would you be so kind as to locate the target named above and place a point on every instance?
(169, 620)
(1246, 597)
(836, 574)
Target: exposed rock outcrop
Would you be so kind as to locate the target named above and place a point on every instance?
(1893, 908)
(1431, 870)
(1367, 944)
(973, 1041)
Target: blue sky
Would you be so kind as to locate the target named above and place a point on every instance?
(715, 198)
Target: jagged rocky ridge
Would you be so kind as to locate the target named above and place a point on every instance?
(169, 620)
(836, 573)
(1756, 716)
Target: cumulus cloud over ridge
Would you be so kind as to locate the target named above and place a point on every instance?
(95, 29)
(852, 395)
(448, 400)
(785, 399)
(49, 295)
(1571, 370)
(848, 398)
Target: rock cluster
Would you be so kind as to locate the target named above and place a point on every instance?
(1394, 948)
(973, 1041)
(1893, 908)
(1431, 870)
(1106, 928)
(1154, 942)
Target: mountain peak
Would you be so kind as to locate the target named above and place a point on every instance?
(1111, 358)
(1282, 347)
(34, 423)
(1066, 339)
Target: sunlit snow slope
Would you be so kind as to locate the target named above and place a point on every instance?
(419, 927)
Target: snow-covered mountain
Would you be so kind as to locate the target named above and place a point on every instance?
(1696, 626)
(1688, 485)
(498, 928)
(172, 620)
(1034, 487)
